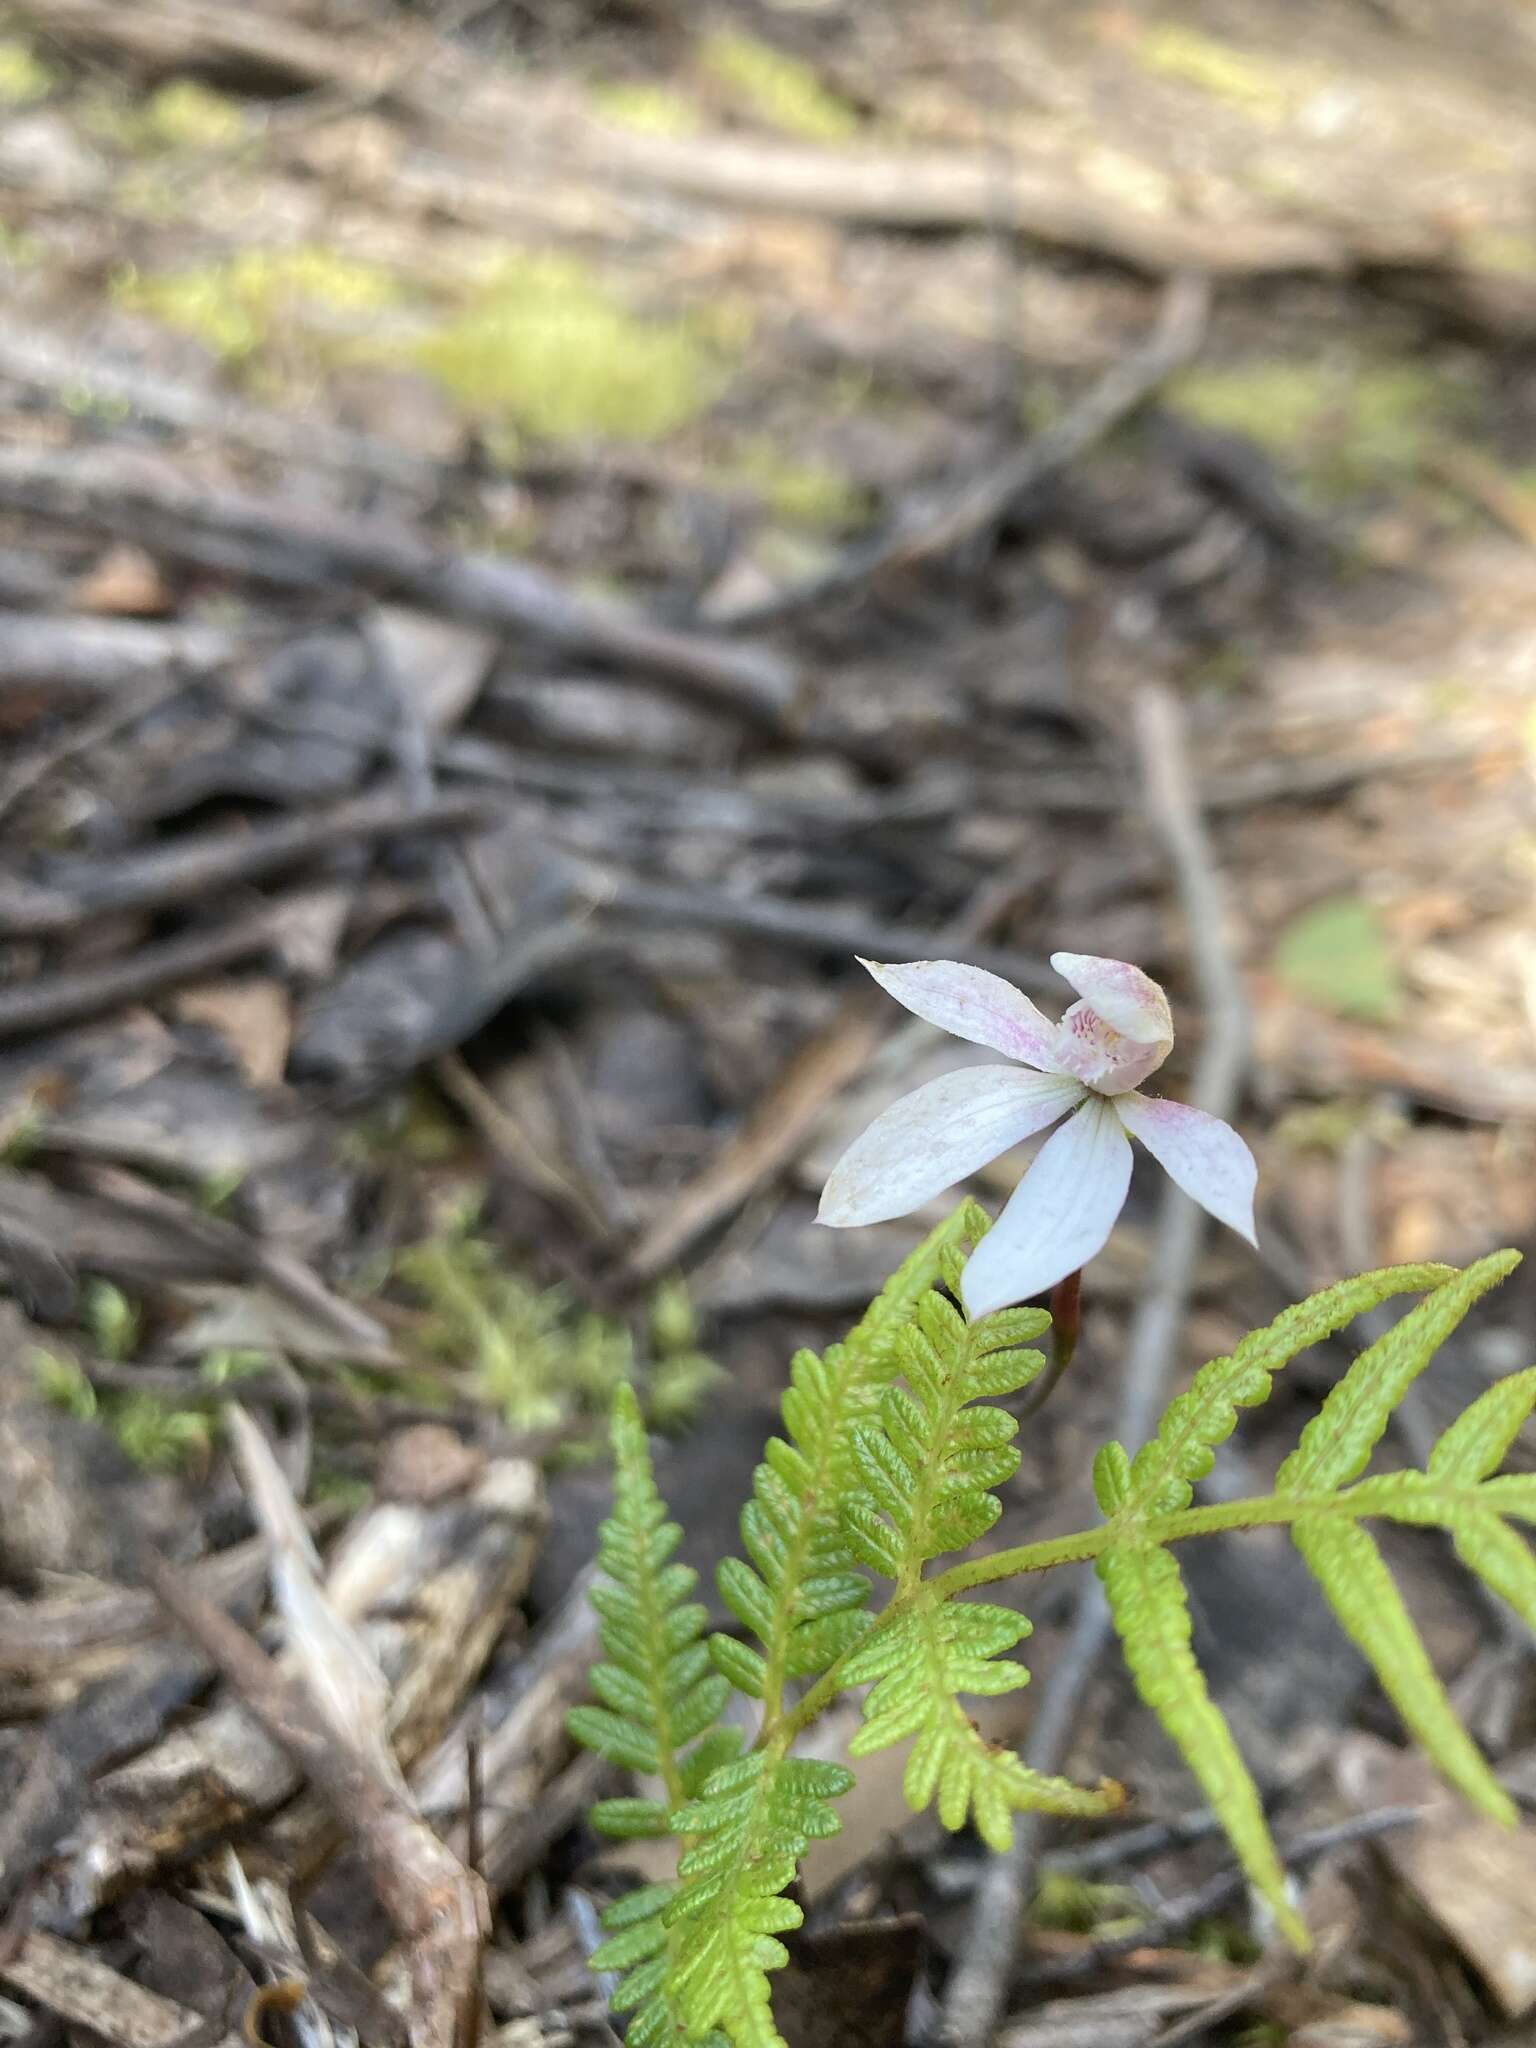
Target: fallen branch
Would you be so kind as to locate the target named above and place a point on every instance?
(961, 189)
(98, 657)
(979, 1984)
(59, 364)
(189, 868)
(837, 933)
(54, 999)
(303, 548)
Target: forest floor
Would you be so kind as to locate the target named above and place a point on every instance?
(531, 535)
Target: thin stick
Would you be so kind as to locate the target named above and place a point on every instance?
(65, 998)
(805, 925)
(979, 1985)
(1179, 1914)
(190, 867)
(307, 548)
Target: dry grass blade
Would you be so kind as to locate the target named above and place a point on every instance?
(343, 1674)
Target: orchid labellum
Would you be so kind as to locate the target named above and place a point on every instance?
(1086, 1069)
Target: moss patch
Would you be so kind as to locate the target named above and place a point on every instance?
(1349, 425)
(1258, 85)
(186, 115)
(533, 1355)
(237, 306)
(801, 492)
(772, 87)
(24, 77)
(548, 349)
(647, 108)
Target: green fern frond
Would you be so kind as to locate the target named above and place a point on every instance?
(888, 1461)
(1145, 1591)
(920, 1663)
(748, 1831)
(803, 1595)
(927, 1464)
(660, 1702)
(698, 1954)
(1337, 1443)
(1320, 1494)
(1164, 1471)
(658, 1691)
(1353, 1574)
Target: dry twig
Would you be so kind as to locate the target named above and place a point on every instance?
(304, 548)
(190, 867)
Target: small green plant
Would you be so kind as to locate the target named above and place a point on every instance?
(887, 1463)
(536, 1357)
(112, 1319)
(152, 1432)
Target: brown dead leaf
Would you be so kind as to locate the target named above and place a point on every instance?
(254, 1016)
(125, 583)
(1475, 1879)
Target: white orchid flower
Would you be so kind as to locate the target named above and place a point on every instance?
(1086, 1068)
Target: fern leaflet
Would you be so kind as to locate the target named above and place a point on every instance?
(927, 1470)
(660, 1701)
(1146, 1501)
(802, 1595)
(750, 1828)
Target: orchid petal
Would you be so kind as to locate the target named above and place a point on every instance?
(1057, 1217)
(1199, 1153)
(969, 1003)
(1123, 996)
(937, 1135)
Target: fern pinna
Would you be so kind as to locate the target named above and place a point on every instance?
(888, 1463)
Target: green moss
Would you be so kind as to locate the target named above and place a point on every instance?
(24, 77)
(534, 1355)
(238, 306)
(547, 348)
(159, 1437)
(779, 90)
(532, 1358)
(1256, 84)
(62, 1384)
(112, 1319)
(648, 109)
(800, 491)
(186, 115)
(155, 1434)
(1348, 424)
